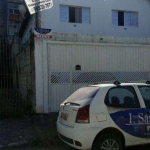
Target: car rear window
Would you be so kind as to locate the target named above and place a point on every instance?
(83, 93)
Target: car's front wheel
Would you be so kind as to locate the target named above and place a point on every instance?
(108, 141)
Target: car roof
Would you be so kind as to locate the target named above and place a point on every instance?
(121, 84)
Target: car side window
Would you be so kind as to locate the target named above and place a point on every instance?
(145, 92)
(122, 97)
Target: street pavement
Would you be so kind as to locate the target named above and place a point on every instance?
(140, 147)
(20, 131)
(16, 133)
(66, 147)
(147, 147)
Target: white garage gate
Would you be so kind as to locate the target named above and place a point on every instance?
(73, 65)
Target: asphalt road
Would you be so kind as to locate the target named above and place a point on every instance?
(146, 147)
(66, 147)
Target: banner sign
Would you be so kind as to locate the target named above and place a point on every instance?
(38, 5)
(14, 17)
(42, 33)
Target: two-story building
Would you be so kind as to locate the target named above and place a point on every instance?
(14, 18)
(92, 41)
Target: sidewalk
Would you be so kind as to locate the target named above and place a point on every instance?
(20, 131)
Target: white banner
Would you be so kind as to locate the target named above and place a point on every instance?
(38, 5)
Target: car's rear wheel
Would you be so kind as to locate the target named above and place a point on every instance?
(108, 141)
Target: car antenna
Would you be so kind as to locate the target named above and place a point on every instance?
(117, 82)
(147, 82)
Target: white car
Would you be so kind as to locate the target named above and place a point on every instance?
(106, 116)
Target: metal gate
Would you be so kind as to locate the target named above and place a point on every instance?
(72, 66)
(12, 104)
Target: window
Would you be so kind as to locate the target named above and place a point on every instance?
(13, 8)
(11, 11)
(84, 93)
(122, 97)
(124, 18)
(145, 91)
(13, 24)
(74, 14)
(14, 11)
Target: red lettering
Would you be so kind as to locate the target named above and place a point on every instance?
(42, 36)
(15, 17)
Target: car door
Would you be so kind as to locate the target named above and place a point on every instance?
(125, 110)
(145, 118)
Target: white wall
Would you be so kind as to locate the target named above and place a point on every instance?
(62, 57)
(41, 76)
(98, 57)
(101, 23)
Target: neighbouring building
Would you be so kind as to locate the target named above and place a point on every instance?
(14, 17)
(92, 41)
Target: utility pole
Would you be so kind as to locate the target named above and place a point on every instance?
(37, 18)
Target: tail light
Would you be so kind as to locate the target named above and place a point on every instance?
(83, 115)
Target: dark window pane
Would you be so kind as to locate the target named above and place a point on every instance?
(122, 97)
(71, 14)
(120, 18)
(11, 11)
(16, 11)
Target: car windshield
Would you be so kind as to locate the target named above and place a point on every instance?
(145, 92)
(83, 93)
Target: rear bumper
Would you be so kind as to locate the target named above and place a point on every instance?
(79, 137)
(69, 141)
